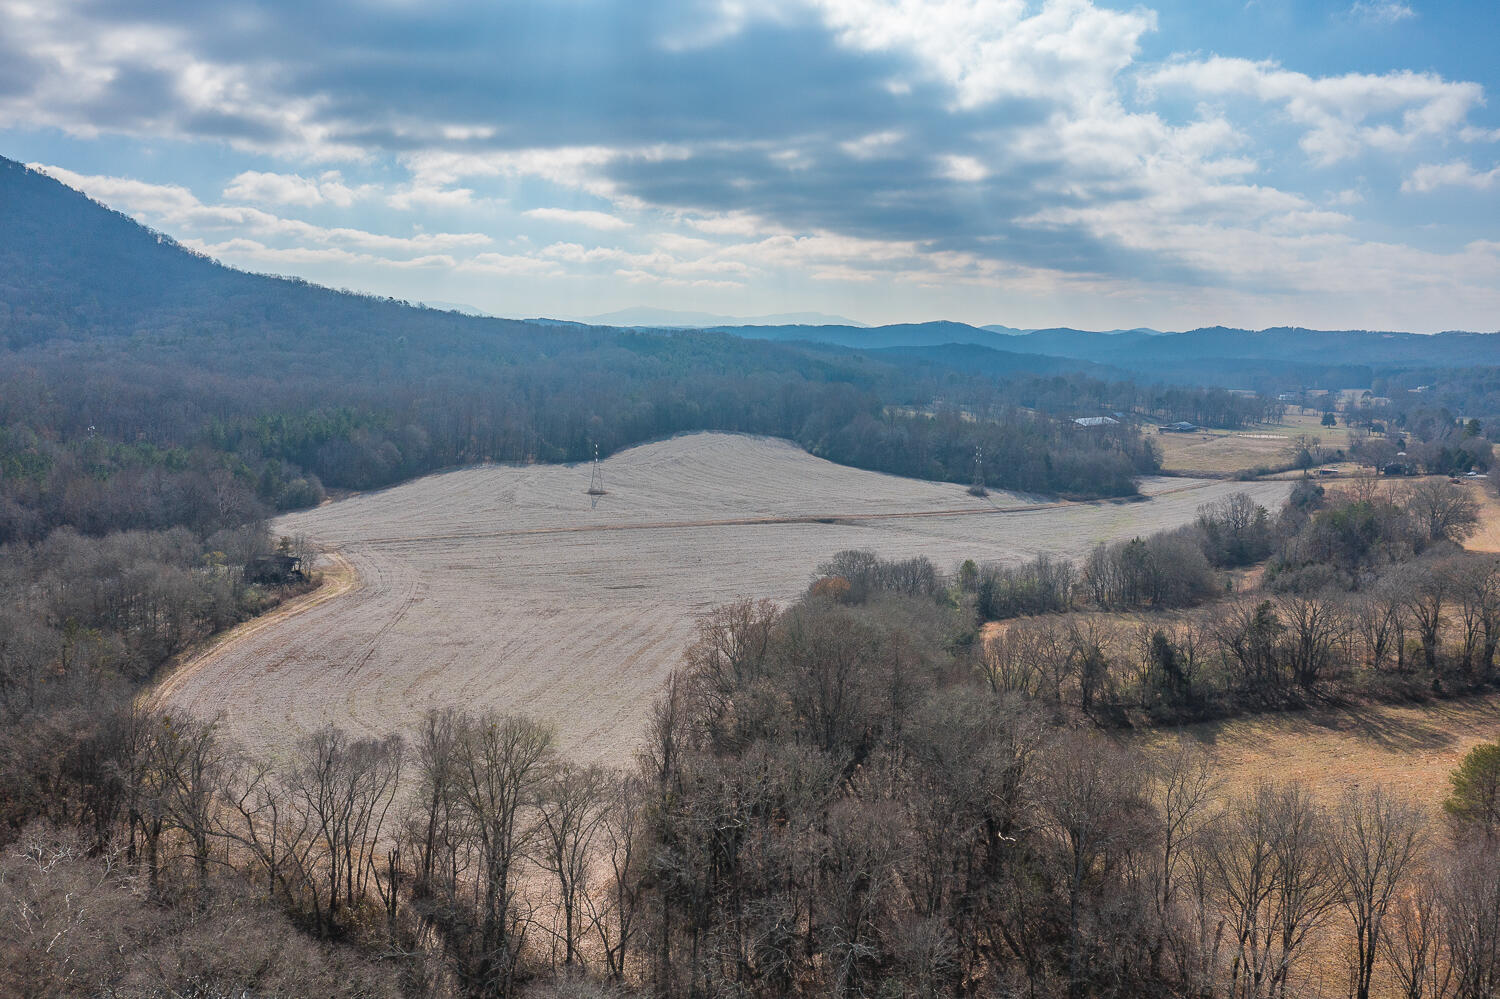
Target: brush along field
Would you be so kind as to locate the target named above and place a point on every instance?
(508, 587)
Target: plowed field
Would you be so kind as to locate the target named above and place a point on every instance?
(509, 587)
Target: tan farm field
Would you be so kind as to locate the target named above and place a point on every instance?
(1224, 452)
(508, 587)
(1409, 748)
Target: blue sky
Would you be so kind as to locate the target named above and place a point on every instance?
(1332, 164)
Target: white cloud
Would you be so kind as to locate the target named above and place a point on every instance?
(84, 63)
(874, 144)
(1431, 176)
(649, 277)
(567, 216)
(731, 224)
(579, 168)
(964, 169)
(986, 50)
(249, 251)
(1130, 189)
(510, 265)
(1342, 115)
(293, 189)
(167, 204)
(1381, 11)
(126, 194)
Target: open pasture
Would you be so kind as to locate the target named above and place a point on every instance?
(1224, 452)
(508, 587)
(1409, 748)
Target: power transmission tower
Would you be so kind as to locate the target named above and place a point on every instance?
(596, 481)
(978, 489)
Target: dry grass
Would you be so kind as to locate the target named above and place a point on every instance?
(1487, 538)
(505, 587)
(1410, 748)
(1222, 452)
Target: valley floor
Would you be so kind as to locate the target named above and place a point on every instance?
(509, 587)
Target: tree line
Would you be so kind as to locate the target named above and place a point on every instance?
(831, 799)
(1363, 593)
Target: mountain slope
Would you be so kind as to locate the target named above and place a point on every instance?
(143, 386)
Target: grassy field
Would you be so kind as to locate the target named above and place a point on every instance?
(509, 587)
(1487, 538)
(1223, 452)
(1410, 748)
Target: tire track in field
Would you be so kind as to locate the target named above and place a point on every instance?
(415, 591)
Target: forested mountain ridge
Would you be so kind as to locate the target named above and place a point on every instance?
(1282, 343)
(1277, 358)
(69, 266)
(144, 386)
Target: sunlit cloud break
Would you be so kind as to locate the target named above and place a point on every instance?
(1033, 163)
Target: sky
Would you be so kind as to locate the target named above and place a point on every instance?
(1176, 164)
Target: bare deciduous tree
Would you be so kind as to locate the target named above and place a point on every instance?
(1094, 806)
(1272, 870)
(502, 762)
(1315, 629)
(573, 808)
(614, 911)
(1376, 842)
(1441, 510)
(1470, 898)
(1415, 945)
(344, 789)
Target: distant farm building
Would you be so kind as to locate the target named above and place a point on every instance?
(1097, 421)
(274, 570)
(1180, 427)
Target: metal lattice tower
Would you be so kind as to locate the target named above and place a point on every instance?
(596, 481)
(978, 489)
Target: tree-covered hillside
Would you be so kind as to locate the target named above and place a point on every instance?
(145, 386)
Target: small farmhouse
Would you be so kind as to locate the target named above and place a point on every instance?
(277, 569)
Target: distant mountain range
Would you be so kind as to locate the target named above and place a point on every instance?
(1278, 343)
(996, 328)
(649, 318)
(70, 268)
(1281, 357)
